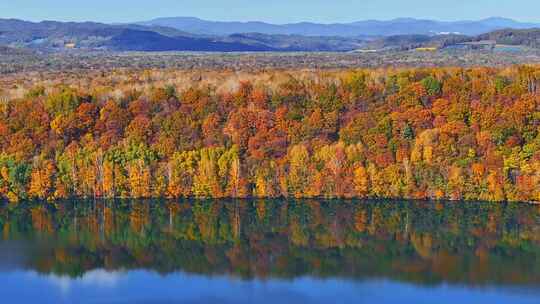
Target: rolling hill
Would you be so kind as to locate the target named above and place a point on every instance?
(401, 26)
(525, 37)
(57, 36)
(54, 36)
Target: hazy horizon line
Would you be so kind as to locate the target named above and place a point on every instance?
(273, 23)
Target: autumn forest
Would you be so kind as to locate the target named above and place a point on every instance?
(440, 133)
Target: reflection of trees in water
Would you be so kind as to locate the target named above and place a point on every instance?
(414, 241)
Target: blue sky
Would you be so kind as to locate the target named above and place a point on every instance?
(277, 11)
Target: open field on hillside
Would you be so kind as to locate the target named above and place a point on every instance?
(69, 61)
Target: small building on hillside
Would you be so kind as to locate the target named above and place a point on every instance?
(426, 49)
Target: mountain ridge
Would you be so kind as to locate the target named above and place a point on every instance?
(54, 36)
(397, 26)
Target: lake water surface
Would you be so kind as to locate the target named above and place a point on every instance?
(269, 251)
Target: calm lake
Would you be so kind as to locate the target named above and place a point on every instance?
(269, 251)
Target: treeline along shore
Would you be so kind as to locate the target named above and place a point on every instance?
(418, 133)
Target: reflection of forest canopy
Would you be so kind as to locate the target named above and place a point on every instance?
(445, 133)
(475, 243)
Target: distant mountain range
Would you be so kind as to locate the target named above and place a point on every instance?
(54, 36)
(192, 34)
(401, 26)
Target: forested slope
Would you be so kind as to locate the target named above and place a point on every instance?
(446, 133)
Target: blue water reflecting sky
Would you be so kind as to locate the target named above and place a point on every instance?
(100, 286)
(293, 252)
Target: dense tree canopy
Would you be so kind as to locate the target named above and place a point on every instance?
(444, 133)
